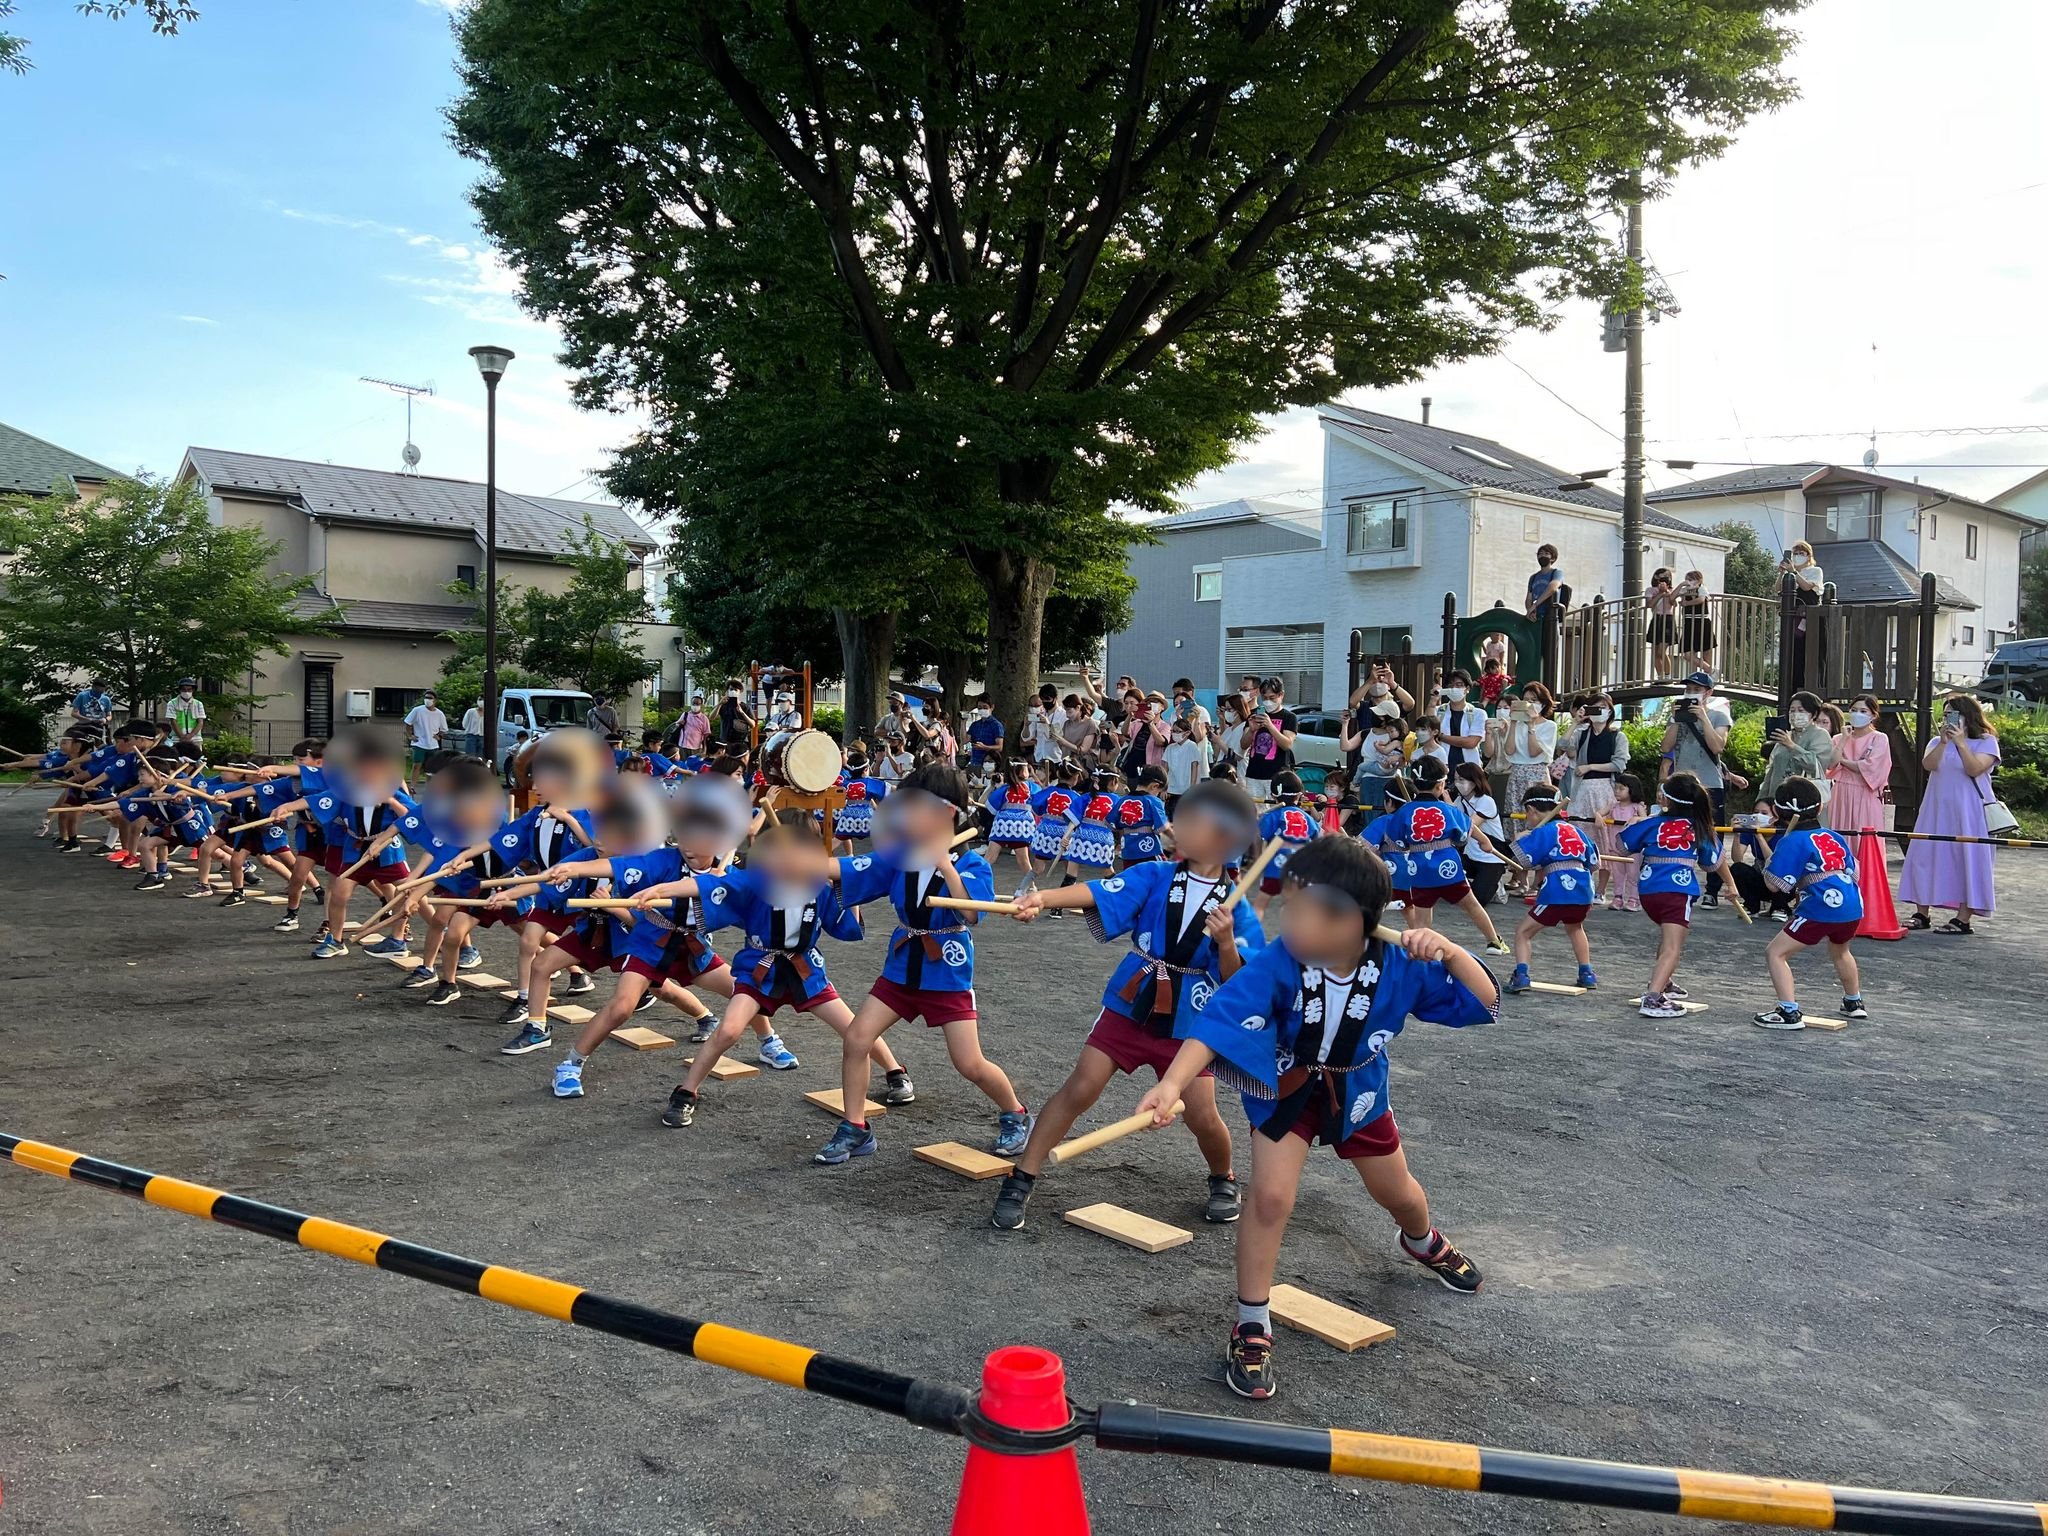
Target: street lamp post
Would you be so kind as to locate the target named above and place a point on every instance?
(491, 362)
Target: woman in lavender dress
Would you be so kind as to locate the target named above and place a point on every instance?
(1959, 762)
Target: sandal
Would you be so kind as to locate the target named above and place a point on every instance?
(1919, 921)
(1955, 925)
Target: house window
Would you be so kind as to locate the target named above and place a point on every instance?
(1933, 526)
(1834, 516)
(1291, 652)
(1375, 527)
(1383, 641)
(394, 703)
(1208, 583)
(1969, 541)
(1969, 634)
(465, 576)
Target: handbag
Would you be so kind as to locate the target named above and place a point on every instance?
(1999, 821)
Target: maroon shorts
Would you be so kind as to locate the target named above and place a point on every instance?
(936, 1008)
(1130, 1047)
(772, 1002)
(1427, 896)
(591, 955)
(682, 973)
(1557, 914)
(332, 861)
(1807, 931)
(1667, 908)
(1376, 1138)
(556, 923)
(1269, 885)
(496, 917)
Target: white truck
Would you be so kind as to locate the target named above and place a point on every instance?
(535, 711)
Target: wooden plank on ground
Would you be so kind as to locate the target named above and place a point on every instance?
(1816, 1021)
(569, 1013)
(725, 1069)
(486, 980)
(1346, 1329)
(643, 1039)
(968, 1162)
(1558, 987)
(267, 899)
(1129, 1228)
(829, 1099)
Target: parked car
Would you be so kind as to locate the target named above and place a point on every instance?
(1318, 754)
(2017, 673)
(536, 711)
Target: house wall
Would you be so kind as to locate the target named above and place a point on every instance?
(284, 526)
(1171, 635)
(395, 567)
(360, 661)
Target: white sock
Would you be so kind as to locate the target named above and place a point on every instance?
(1260, 1313)
(522, 994)
(1419, 1246)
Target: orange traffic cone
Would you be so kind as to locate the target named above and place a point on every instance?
(1022, 1388)
(1333, 816)
(1880, 917)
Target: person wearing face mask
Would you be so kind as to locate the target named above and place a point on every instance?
(1599, 751)
(1805, 572)
(735, 725)
(1959, 763)
(188, 714)
(1461, 723)
(1803, 749)
(1379, 754)
(1862, 771)
(1695, 739)
(783, 715)
(1078, 730)
(985, 737)
(1269, 743)
(1379, 686)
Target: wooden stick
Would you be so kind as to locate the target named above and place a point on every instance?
(1130, 1125)
(1250, 882)
(964, 837)
(969, 904)
(599, 903)
(534, 879)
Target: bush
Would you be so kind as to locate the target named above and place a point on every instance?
(23, 725)
(830, 719)
(222, 745)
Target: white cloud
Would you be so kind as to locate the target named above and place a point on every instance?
(196, 319)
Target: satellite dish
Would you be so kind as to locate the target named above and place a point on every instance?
(1869, 458)
(411, 454)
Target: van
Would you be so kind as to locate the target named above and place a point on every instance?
(536, 711)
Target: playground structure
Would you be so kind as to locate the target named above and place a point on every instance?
(1765, 650)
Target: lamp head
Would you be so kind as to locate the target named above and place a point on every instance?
(492, 362)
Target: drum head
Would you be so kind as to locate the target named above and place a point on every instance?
(811, 762)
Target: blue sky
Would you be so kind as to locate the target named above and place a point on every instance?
(207, 239)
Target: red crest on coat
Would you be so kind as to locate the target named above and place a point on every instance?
(1426, 823)
(1675, 834)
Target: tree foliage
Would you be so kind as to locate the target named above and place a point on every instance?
(165, 17)
(139, 587)
(2034, 591)
(1021, 263)
(1751, 570)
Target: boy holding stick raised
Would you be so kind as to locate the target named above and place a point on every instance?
(1301, 1030)
(1190, 934)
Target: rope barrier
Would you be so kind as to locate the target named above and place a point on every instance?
(1925, 837)
(1134, 1427)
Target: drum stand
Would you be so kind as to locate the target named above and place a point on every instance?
(831, 801)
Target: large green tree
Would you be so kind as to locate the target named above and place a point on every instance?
(139, 587)
(1080, 244)
(1751, 571)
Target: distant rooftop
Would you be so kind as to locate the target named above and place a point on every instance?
(1759, 479)
(29, 463)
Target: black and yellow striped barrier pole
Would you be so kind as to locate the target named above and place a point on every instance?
(1113, 1426)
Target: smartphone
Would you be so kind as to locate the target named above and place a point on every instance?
(1774, 724)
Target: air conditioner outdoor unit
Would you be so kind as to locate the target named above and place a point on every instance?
(358, 707)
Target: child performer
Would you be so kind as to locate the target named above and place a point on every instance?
(1294, 823)
(1820, 871)
(569, 783)
(930, 969)
(1093, 844)
(1009, 803)
(1629, 806)
(1057, 808)
(1431, 832)
(1484, 863)
(1673, 846)
(1186, 946)
(460, 811)
(856, 819)
(1141, 817)
(1302, 1031)
(1561, 860)
(784, 906)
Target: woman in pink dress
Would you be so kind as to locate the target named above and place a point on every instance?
(1959, 762)
(1863, 767)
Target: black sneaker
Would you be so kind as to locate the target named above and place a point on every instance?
(647, 1001)
(898, 1089)
(152, 882)
(319, 896)
(1011, 1199)
(1248, 1362)
(444, 994)
(233, 899)
(682, 1108)
(1445, 1262)
(1853, 1008)
(515, 1014)
(289, 923)
(1711, 899)
(580, 983)
(71, 845)
(252, 882)
(1225, 1204)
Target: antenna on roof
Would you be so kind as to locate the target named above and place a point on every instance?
(409, 455)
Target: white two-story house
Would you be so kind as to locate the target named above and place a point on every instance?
(1874, 537)
(1410, 512)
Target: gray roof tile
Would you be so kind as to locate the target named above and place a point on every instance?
(28, 463)
(371, 614)
(526, 524)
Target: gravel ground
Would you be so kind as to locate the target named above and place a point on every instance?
(1810, 1255)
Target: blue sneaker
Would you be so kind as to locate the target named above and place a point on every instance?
(1587, 979)
(533, 1037)
(849, 1141)
(328, 947)
(1519, 982)
(387, 947)
(569, 1078)
(1013, 1130)
(470, 959)
(420, 976)
(776, 1056)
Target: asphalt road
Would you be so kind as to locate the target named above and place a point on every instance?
(1812, 1255)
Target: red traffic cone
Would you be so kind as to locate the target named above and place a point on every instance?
(1022, 1388)
(1880, 917)
(1333, 816)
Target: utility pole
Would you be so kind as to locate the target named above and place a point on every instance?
(1632, 418)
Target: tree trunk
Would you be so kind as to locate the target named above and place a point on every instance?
(867, 646)
(955, 668)
(1018, 586)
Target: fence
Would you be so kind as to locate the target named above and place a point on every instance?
(1136, 1427)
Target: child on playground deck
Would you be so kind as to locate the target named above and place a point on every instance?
(1561, 859)
(1186, 946)
(1302, 1031)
